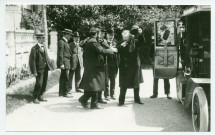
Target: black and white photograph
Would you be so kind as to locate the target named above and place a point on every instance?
(107, 67)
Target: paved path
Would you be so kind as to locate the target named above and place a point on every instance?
(66, 114)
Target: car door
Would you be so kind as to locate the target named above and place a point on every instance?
(166, 50)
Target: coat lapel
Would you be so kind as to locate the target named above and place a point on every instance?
(40, 49)
(67, 45)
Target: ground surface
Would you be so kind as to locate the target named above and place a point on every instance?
(66, 114)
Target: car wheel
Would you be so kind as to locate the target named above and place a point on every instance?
(200, 113)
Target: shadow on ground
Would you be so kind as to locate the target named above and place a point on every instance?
(161, 112)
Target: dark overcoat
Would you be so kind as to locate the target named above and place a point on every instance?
(77, 56)
(94, 67)
(113, 60)
(39, 59)
(63, 54)
(130, 73)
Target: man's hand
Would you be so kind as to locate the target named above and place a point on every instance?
(123, 44)
(62, 67)
(114, 49)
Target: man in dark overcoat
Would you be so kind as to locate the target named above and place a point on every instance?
(63, 62)
(130, 74)
(39, 63)
(93, 80)
(76, 62)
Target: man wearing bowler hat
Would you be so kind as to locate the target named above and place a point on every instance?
(39, 63)
(63, 62)
(76, 62)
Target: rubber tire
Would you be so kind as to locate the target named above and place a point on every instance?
(204, 114)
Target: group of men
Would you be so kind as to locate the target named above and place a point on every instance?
(101, 56)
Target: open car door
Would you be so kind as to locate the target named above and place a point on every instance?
(166, 51)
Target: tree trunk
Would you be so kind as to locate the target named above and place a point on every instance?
(45, 24)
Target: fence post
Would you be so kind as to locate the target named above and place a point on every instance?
(53, 41)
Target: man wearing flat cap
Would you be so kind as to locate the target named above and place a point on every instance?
(93, 80)
(63, 62)
(39, 63)
(76, 62)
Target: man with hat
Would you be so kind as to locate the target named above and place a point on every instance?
(112, 66)
(63, 62)
(93, 80)
(39, 63)
(76, 62)
(130, 73)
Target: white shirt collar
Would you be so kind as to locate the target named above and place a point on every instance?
(65, 39)
(40, 45)
(76, 42)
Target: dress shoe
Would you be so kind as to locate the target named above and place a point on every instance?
(80, 91)
(36, 101)
(120, 104)
(67, 96)
(168, 97)
(139, 102)
(113, 97)
(96, 107)
(83, 104)
(102, 102)
(153, 96)
(107, 98)
(41, 99)
(70, 91)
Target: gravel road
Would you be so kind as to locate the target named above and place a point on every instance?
(66, 114)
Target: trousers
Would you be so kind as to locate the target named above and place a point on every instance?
(123, 93)
(166, 86)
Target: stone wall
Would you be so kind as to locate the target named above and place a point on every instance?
(18, 47)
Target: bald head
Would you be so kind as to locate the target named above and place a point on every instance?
(126, 35)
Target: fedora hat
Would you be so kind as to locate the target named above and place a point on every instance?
(40, 35)
(67, 31)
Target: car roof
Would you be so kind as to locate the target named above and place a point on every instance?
(195, 9)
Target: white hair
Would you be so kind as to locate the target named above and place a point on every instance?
(125, 33)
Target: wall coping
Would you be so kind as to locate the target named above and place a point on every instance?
(22, 31)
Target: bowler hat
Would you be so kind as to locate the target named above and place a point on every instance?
(67, 31)
(163, 27)
(76, 34)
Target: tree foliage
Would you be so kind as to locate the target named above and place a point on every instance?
(82, 17)
(32, 22)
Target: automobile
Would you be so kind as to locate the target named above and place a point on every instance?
(182, 50)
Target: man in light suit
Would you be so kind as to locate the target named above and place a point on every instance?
(76, 62)
(63, 62)
(39, 63)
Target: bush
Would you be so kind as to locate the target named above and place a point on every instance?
(32, 22)
(23, 95)
(15, 74)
